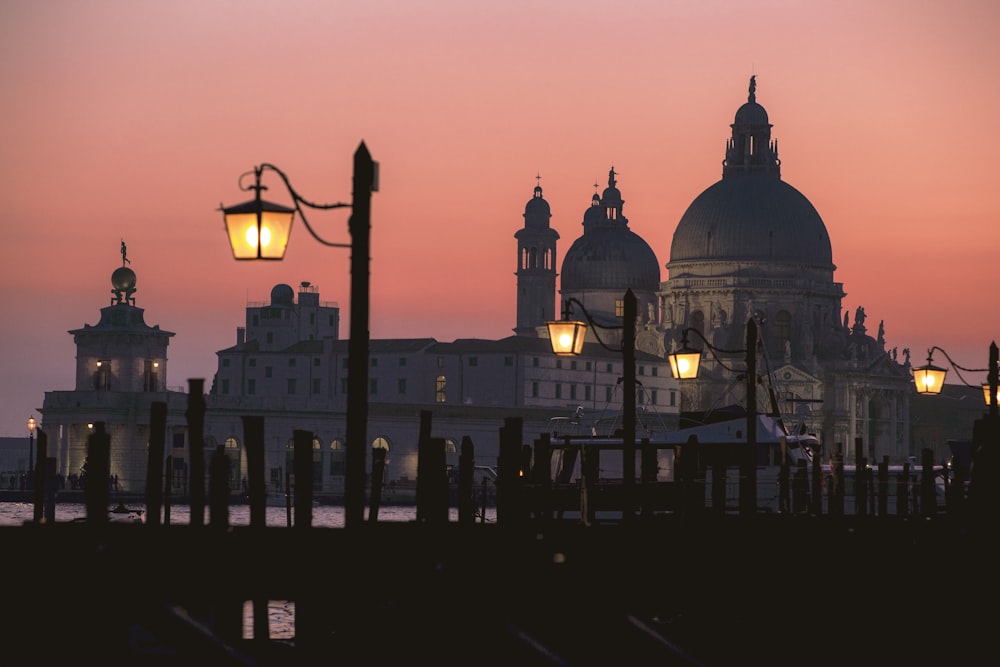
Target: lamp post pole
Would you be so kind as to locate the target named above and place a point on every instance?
(628, 403)
(357, 345)
(31, 453)
(748, 486)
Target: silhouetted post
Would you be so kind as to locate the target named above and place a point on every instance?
(253, 435)
(378, 473)
(40, 474)
(168, 463)
(719, 472)
(648, 469)
(154, 461)
(303, 442)
(95, 489)
(836, 490)
(800, 488)
(784, 478)
(50, 489)
(196, 434)
(466, 482)
(902, 492)
(816, 497)
(357, 345)
(860, 478)
(748, 464)
(928, 493)
(883, 486)
(218, 488)
(508, 466)
(984, 483)
(541, 475)
(629, 316)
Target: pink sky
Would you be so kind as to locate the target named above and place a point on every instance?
(134, 120)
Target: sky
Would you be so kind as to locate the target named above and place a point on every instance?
(133, 120)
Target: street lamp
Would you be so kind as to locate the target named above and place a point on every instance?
(567, 336)
(259, 230)
(31, 451)
(684, 364)
(929, 379)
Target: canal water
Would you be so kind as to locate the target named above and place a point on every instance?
(281, 613)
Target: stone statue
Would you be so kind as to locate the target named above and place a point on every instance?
(788, 351)
(881, 332)
(846, 325)
(906, 356)
(859, 316)
(753, 88)
(125, 259)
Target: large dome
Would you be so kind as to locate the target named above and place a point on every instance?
(610, 258)
(754, 217)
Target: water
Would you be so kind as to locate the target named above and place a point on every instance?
(323, 516)
(280, 613)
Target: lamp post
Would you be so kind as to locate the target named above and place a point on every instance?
(31, 452)
(684, 364)
(259, 230)
(567, 337)
(929, 379)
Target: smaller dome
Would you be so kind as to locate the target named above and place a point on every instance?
(537, 211)
(751, 113)
(123, 279)
(282, 294)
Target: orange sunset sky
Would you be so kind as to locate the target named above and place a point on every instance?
(133, 119)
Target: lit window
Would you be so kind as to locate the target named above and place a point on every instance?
(439, 389)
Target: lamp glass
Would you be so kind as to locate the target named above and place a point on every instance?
(566, 337)
(684, 363)
(986, 393)
(32, 422)
(258, 229)
(929, 379)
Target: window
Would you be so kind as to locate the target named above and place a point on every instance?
(225, 386)
(673, 398)
(572, 392)
(652, 397)
(607, 394)
(558, 363)
(317, 386)
(508, 361)
(572, 364)
(401, 386)
(439, 388)
(642, 370)
(589, 366)
(267, 371)
(653, 370)
(291, 385)
(586, 392)
(374, 361)
(225, 362)
(312, 318)
(402, 361)
(150, 375)
(270, 337)
(315, 361)
(344, 365)
(251, 387)
(558, 391)
(473, 361)
(291, 362)
(534, 362)
(610, 368)
(619, 307)
(102, 376)
(252, 363)
(373, 386)
(440, 362)
(534, 390)
(256, 319)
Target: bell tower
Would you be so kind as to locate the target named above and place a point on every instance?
(536, 266)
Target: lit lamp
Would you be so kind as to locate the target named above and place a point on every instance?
(31, 449)
(259, 229)
(929, 379)
(566, 337)
(684, 364)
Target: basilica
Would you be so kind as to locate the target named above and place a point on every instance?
(750, 247)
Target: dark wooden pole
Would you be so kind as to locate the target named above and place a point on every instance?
(748, 465)
(40, 475)
(196, 434)
(154, 461)
(629, 316)
(253, 435)
(303, 461)
(95, 489)
(357, 345)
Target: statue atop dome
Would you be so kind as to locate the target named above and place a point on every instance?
(753, 89)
